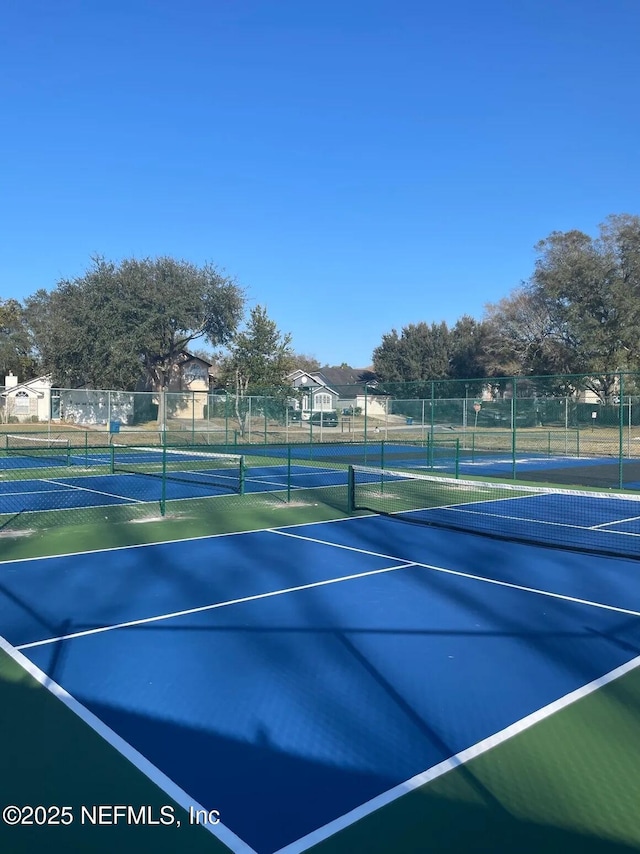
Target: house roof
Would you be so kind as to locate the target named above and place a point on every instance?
(188, 356)
(344, 382)
(28, 385)
(347, 381)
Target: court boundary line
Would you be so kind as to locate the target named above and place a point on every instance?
(392, 794)
(139, 501)
(347, 518)
(88, 489)
(178, 540)
(483, 578)
(32, 492)
(457, 760)
(466, 508)
(400, 563)
(615, 522)
(422, 778)
(213, 606)
(126, 750)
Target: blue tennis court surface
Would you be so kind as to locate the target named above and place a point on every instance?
(562, 468)
(287, 677)
(53, 493)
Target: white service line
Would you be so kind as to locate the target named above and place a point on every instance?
(157, 543)
(211, 607)
(615, 522)
(470, 575)
(32, 492)
(94, 491)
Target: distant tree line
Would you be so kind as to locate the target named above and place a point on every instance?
(123, 325)
(579, 313)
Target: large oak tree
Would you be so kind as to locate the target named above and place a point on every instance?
(124, 325)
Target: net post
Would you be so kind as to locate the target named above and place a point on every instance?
(288, 474)
(68, 460)
(457, 458)
(163, 485)
(242, 475)
(351, 480)
(382, 454)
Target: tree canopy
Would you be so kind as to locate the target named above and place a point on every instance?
(259, 359)
(420, 352)
(434, 351)
(579, 313)
(260, 354)
(16, 353)
(120, 323)
(123, 325)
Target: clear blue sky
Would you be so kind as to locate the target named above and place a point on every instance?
(357, 165)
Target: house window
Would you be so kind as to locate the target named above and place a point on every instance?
(323, 401)
(22, 403)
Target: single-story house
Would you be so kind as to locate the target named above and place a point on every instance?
(28, 401)
(340, 389)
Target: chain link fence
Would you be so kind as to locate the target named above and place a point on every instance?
(565, 429)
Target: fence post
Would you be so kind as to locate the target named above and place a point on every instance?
(163, 488)
(433, 411)
(366, 387)
(514, 453)
(621, 433)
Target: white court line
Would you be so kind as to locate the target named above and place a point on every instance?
(309, 472)
(172, 542)
(615, 522)
(94, 491)
(455, 761)
(467, 507)
(462, 509)
(211, 607)
(471, 576)
(154, 774)
(402, 565)
(32, 492)
(262, 481)
(396, 792)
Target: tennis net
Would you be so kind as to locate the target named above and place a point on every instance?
(592, 522)
(55, 451)
(202, 468)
